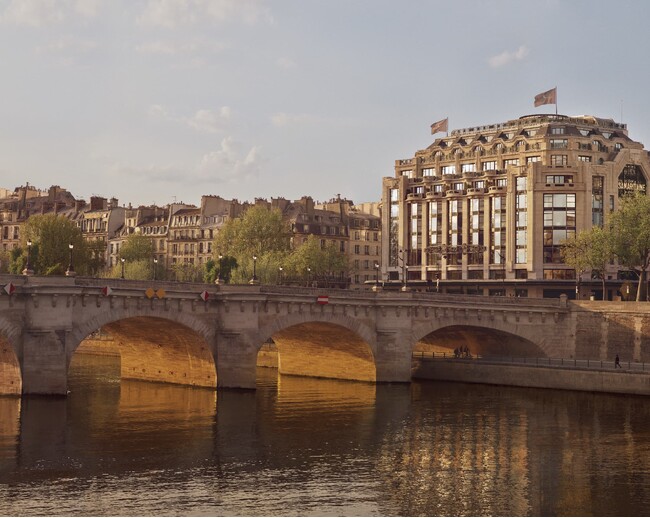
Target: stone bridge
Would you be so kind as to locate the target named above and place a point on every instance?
(211, 336)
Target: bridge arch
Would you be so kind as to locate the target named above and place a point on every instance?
(175, 348)
(10, 374)
(482, 338)
(322, 345)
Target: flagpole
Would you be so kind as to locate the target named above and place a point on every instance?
(555, 100)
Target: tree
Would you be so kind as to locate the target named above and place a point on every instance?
(589, 250)
(212, 266)
(630, 231)
(260, 232)
(322, 262)
(137, 247)
(50, 235)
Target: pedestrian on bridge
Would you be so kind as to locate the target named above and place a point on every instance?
(617, 362)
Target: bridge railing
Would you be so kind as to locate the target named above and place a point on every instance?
(561, 363)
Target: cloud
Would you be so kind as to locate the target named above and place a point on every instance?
(209, 121)
(67, 47)
(285, 62)
(181, 48)
(507, 57)
(173, 13)
(203, 120)
(282, 120)
(38, 13)
(229, 163)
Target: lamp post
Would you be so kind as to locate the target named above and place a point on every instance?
(155, 267)
(219, 278)
(70, 271)
(254, 279)
(28, 266)
(280, 275)
(438, 284)
(376, 274)
(122, 261)
(309, 276)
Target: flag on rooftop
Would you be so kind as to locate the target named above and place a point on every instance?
(548, 97)
(439, 126)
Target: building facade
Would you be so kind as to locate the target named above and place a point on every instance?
(485, 209)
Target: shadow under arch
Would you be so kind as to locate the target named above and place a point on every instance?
(322, 349)
(479, 340)
(154, 349)
(10, 374)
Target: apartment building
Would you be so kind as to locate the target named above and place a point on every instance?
(485, 209)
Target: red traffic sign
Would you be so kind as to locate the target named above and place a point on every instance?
(323, 299)
(10, 288)
(204, 296)
(106, 291)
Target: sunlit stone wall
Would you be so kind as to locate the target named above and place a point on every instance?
(324, 350)
(153, 349)
(10, 379)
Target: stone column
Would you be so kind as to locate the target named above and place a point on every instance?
(393, 357)
(236, 360)
(44, 362)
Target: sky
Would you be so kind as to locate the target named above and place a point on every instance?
(156, 101)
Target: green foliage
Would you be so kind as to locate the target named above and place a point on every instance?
(630, 231)
(137, 247)
(260, 232)
(5, 259)
(589, 250)
(140, 270)
(50, 235)
(257, 232)
(211, 269)
(328, 261)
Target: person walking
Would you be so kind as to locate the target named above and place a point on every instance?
(617, 362)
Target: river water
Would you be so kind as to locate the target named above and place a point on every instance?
(300, 446)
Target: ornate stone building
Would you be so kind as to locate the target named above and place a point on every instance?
(485, 209)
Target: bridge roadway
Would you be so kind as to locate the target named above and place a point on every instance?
(170, 334)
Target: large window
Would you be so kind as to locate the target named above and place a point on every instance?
(393, 235)
(559, 224)
(415, 210)
(429, 171)
(448, 169)
(559, 160)
(597, 204)
(435, 230)
(455, 230)
(521, 221)
(559, 143)
(489, 166)
(498, 230)
(475, 255)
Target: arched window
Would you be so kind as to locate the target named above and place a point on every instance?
(631, 180)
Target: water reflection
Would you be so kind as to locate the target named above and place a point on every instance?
(307, 446)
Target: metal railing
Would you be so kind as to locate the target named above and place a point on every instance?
(560, 363)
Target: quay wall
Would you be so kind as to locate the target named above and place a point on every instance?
(619, 381)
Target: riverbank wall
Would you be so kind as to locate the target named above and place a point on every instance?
(619, 381)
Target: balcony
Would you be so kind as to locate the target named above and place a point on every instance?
(497, 189)
(476, 190)
(414, 196)
(433, 195)
(452, 193)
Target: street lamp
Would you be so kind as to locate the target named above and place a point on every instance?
(309, 276)
(70, 271)
(377, 274)
(155, 267)
(254, 279)
(219, 278)
(28, 266)
(122, 261)
(280, 274)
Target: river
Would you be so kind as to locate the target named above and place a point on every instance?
(300, 446)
